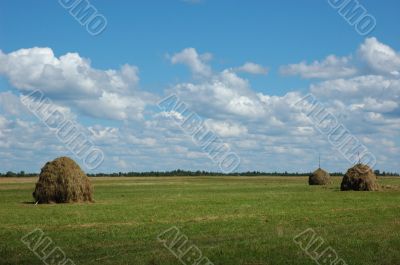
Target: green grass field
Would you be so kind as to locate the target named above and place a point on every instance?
(232, 220)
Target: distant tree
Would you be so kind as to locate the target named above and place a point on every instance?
(10, 174)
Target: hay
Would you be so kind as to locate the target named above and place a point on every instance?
(319, 177)
(62, 181)
(361, 178)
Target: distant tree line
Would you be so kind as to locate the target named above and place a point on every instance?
(10, 174)
(385, 173)
(182, 173)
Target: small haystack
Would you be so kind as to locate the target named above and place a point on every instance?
(62, 181)
(319, 177)
(361, 178)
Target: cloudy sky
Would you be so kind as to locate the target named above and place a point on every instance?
(239, 65)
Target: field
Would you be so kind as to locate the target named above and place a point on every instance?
(231, 220)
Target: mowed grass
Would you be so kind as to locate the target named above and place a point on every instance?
(232, 220)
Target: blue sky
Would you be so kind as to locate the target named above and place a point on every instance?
(148, 35)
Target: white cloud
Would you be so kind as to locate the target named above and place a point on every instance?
(113, 106)
(252, 68)
(146, 141)
(100, 133)
(265, 130)
(374, 105)
(195, 61)
(331, 67)
(357, 88)
(373, 58)
(3, 122)
(379, 57)
(70, 79)
(222, 94)
(11, 104)
(226, 128)
(121, 163)
(172, 115)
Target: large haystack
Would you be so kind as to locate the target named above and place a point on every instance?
(62, 181)
(319, 177)
(359, 177)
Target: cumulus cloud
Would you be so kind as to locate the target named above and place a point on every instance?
(111, 94)
(226, 102)
(359, 99)
(3, 122)
(11, 104)
(375, 105)
(372, 57)
(252, 68)
(196, 62)
(265, 130)
(356, 88)
(226, 128)
(379, 57)
(331, 67)
(223, 93)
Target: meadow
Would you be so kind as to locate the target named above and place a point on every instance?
(232, 220)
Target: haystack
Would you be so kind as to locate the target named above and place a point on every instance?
(360, 177)
(319, 177)
(62, 181)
